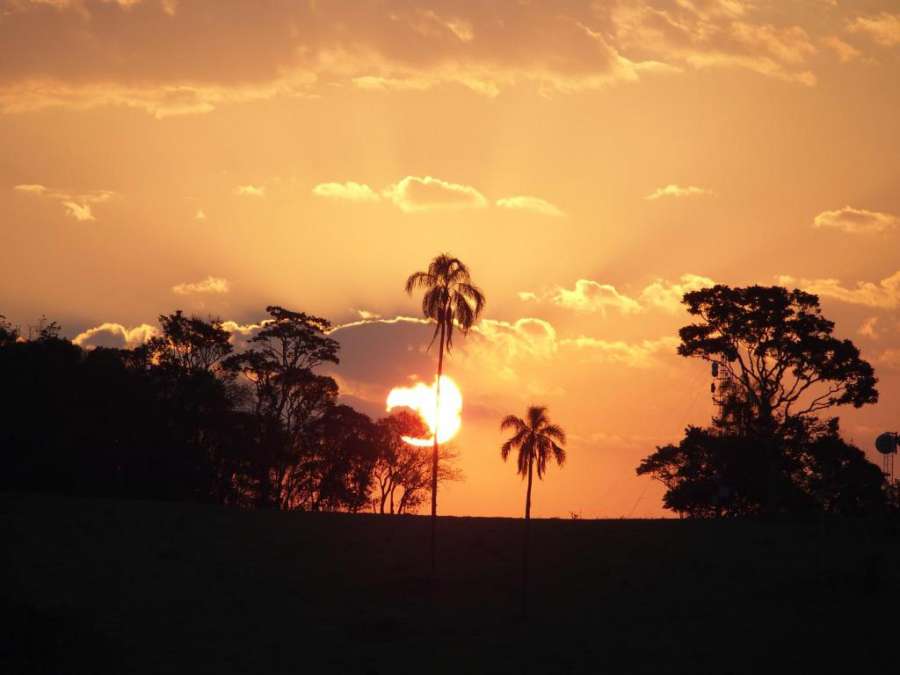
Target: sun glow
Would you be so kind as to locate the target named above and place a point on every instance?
(422, 398)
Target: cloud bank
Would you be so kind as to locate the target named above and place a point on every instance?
(174, 58)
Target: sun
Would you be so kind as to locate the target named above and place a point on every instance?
(422, 399)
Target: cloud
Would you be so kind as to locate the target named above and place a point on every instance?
(87, 53)
(115, 335)
(80, 212)
(210, 285)
(633, 354)
(883, 295)
(844, 51)
(678, 191)
(592, 296)
(413, 194)
(349, 191)
(668, 296)
(869, 328)
(527, 203)
(856, 221)
(250, 190)
(526, 336)
(889, 358)
(883, 29)
(724, 34)
(77, 205)
(31, 188)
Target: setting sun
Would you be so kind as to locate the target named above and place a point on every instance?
(422, 399)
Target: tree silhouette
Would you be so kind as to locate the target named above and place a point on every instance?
(450, 299)
(183, 417)
(288, 400)
(767, 450)
(537, 440)
(778, 350)
(8, 333)
(189, 343)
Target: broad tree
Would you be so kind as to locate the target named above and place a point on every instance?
(780, 368)
(780, 352)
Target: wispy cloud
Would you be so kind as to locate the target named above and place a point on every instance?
(592, 296)
(210, 285)
(347, 191)
(844, 50)
(414, 193)
(305, 49)
(869, 328)
(528, 203)
(678, 191)
(76, 204)
(884, 295)
(250, 190)
(634, 354)
(883, 28)
(115, 335)
(856, 221)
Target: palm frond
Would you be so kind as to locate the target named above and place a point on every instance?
(474, 295)
(536, 416)
(555, 432)
(560, 454)
(525, 453)
(512, 422)
(419, 280)
(541, 456)
(463, 312)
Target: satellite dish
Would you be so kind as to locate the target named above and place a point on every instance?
(886, 444)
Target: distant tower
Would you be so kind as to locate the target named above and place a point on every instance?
(886, 444)
(722, 390)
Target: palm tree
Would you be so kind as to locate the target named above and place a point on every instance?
(537, 440)
(451, 300)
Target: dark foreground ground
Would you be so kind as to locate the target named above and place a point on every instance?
(94, 586)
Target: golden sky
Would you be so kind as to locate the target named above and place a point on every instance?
(589, 161)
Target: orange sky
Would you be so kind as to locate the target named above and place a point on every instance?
(589, 161)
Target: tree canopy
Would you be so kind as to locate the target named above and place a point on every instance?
(189, 416)
(767, 449)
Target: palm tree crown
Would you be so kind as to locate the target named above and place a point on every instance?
(536, 439)
(450, 297)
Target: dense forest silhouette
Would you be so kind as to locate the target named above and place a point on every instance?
(185, 416)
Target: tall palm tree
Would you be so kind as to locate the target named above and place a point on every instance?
(451, 300)
(537, 440)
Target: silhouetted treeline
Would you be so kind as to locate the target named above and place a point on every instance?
(186, 416)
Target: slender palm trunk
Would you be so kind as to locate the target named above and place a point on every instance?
(525, 542)
(434, 451)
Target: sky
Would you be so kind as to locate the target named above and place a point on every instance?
(589, 161)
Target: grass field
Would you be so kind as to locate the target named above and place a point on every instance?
(98, 586)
